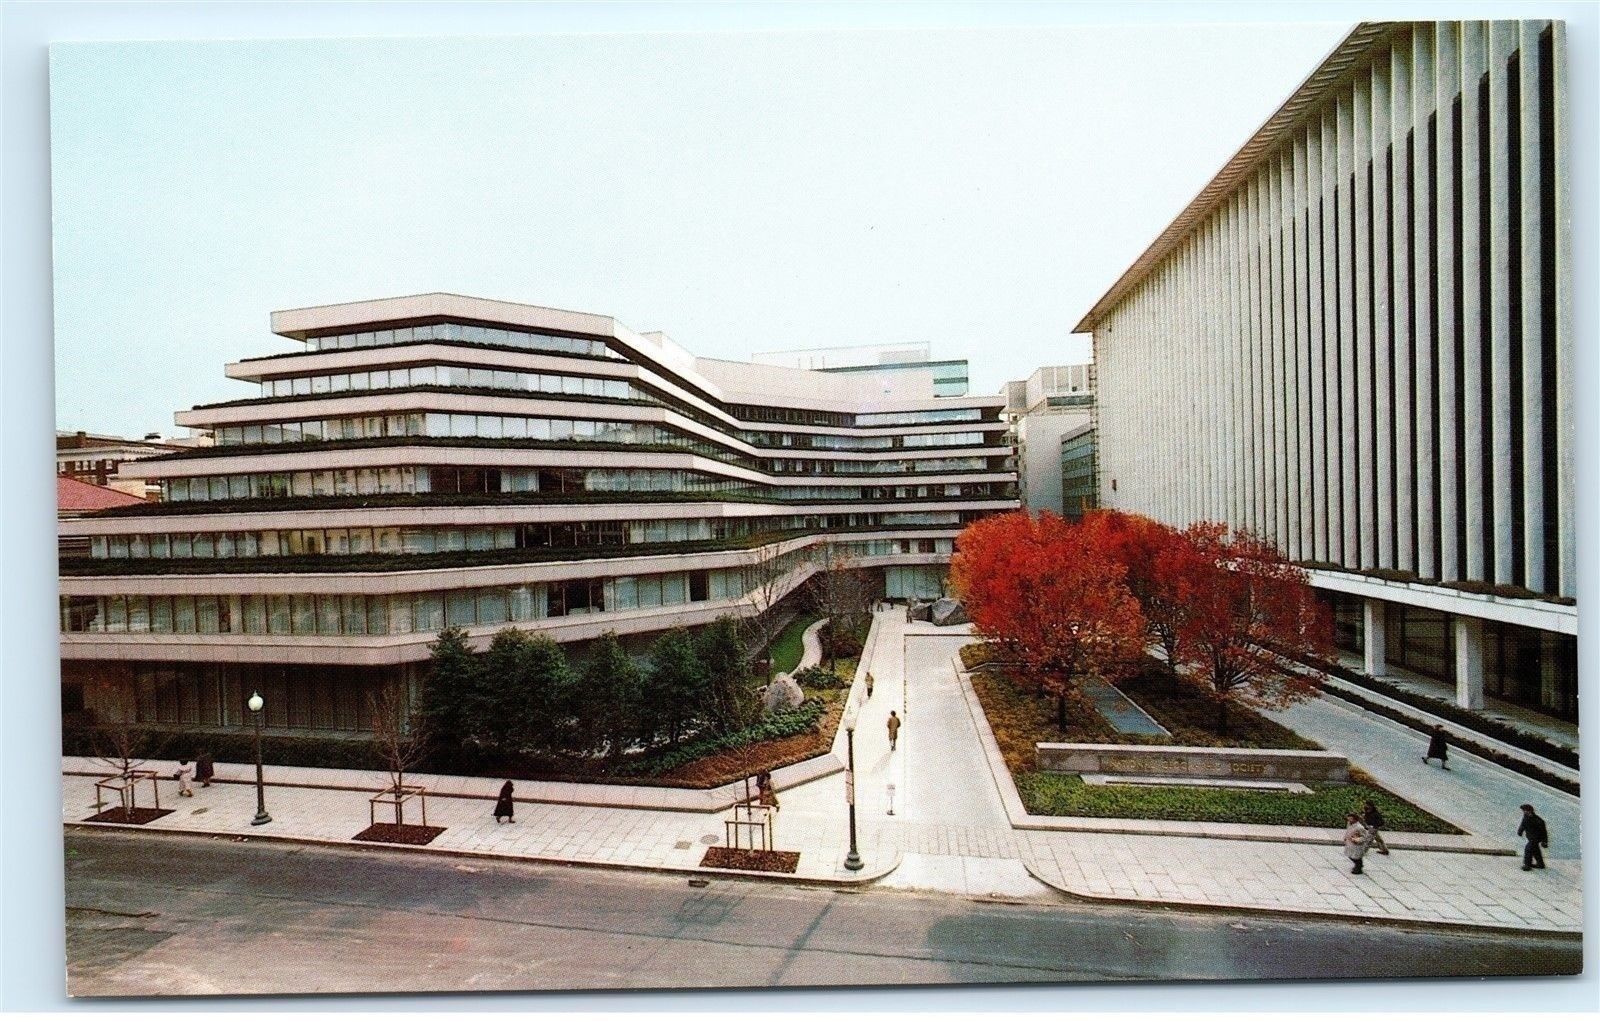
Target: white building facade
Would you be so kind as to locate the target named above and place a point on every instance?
(1357, 343)
(440, 460)
(1051, 404)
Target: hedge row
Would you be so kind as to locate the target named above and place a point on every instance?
(1059, 794)
(1528, 770)
(803, 718)
(160, 745)
(1513, 736)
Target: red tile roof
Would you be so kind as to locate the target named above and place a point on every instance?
(72, 495)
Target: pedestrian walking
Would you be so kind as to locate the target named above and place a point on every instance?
(766, 794)
(1537, 834)
(504, 805)
(1438, 748)
(184, 774)
(869, 685)
(1355, 842)
(204, 769)
(1372, 819)
(894, 729)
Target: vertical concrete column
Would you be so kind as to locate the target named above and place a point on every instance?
(1446, 85)
(1502, 40)
(1365, 497)
(1374, 637)
(1382, 371)
(1344, 152)
(1567, 584)
(1472, 250)
(1319, 199)
(1423, 277)
(1469, 662)
(1403, 333)
(1534, 288)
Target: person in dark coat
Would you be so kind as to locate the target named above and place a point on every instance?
(204, 769)
(1372, 819)
(1438, 748)
(504, 806)
(894, 729)
(1537, 834)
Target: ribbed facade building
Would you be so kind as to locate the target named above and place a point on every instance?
(442, 460)
(1357, 342)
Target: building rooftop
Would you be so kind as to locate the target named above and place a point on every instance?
(1349, 56)
(74, 497)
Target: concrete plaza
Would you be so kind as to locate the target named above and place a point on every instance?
(950, 831)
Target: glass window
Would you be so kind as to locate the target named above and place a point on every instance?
(304, 609)
(278, 615)
(320, 384)
(302, 386)
(183, 615)
(207, 617)
(360, 381)
(378, 615)
(255, 614)
(355, 614)
(463, 425)
(161, 614)
(492, 608)
(429, 612)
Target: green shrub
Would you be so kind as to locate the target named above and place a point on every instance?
(820, 678)
(1060, 794)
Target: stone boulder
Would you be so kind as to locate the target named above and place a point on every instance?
(783, 693)
(947, 612)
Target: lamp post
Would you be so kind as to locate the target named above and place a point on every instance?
(257, 703)
(852, 860)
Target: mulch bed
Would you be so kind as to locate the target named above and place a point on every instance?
(751, 861)
(134, 817)
(389, 833)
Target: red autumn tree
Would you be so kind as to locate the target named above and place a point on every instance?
(1044, 591)
(1248, 607)
(1163, 568)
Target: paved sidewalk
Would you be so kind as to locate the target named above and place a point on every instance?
(1475, 794)
(950, 832)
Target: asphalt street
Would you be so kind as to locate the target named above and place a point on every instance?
(151, 915)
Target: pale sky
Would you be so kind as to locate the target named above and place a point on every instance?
(740, 191)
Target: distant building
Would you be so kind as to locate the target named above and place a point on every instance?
(946, 378)
(1044, 408)
(87, 457)
(439, 460)
(1080, 490)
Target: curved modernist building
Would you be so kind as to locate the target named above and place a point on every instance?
(1359, 340)
(443, 460)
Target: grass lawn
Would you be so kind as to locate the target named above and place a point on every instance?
(787, 647)
(1020, 719)
(1325, 806)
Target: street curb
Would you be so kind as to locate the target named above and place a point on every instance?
(1021, 820)
(865, 877)
(1310, 914)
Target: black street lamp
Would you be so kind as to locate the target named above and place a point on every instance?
(852, 860)
(257, 703)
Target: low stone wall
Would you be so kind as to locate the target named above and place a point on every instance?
(1217, 763)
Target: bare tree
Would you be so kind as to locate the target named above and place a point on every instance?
(116, 747)
(401, 739)
(843, 594)
(767, 573)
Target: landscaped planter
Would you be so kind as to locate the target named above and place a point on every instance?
(1209, 763)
